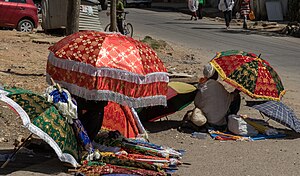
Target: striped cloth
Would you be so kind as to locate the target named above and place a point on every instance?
(245, 7)
(278, 112)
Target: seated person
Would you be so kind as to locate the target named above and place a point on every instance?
(214, 100)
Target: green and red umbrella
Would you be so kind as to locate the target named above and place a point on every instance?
(43, 119)
(249, 73)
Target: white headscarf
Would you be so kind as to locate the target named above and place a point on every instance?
(208, 70)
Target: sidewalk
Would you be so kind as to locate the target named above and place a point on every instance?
(183, 8)
(217, 15)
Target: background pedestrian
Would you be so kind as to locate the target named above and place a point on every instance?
(244, 10)
(120, 17)
(226, 7)
(200, 8)
(193, 7)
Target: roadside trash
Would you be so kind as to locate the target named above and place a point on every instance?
(199, 135)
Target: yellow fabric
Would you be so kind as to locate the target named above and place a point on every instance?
(259, 127)
(181, 87)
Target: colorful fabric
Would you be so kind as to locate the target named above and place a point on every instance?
(173, 152)
(217, 135)
(123, 160)
(249, 73)
(181, 87)
(118, 117)
(112, 169)
(245, 7)
(110, 67)
(43, 119)
(63, 101)
(115, 139)
(82, 136)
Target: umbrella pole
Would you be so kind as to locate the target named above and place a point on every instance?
(16, 150)
(262, 115)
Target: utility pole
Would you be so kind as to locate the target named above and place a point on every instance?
(73, 16)
(113, 15)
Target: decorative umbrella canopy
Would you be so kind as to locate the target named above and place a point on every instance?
(124, 119)
(108, 66)
(43, 119)
(249, 73)
(279, 112)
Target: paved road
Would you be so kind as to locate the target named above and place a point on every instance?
(210, 35)
(282, 52)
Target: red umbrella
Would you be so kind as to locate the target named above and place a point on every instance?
(110, 67)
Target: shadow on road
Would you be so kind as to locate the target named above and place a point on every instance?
(257, 32)
(32, 160)
(163, 125)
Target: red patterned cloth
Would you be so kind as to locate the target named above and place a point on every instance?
(118, 117)
(109, 66)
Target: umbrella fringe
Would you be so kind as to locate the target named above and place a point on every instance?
(107, 72)
(108, 95)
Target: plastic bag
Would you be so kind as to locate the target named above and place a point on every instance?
(239, 126)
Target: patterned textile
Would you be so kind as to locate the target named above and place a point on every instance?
(118, 117)
(217, 135)
(82, 136)
(63, 102)
(245, 7)
(123, 160)
(133, 146)
(278, 112)
(249, 73)
(43, 119)
(94, 169)
(108, 66)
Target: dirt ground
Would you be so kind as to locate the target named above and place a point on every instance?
(23, 61)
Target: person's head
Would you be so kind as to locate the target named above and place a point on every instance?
(209, 72)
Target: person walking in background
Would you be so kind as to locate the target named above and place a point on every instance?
(226, 7)
(120, 18)
(200, 8)
(244, 10)
(193, 6)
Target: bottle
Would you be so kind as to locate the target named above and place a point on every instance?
(199, 135)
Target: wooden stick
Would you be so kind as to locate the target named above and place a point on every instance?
(55, 84)
(15, 151)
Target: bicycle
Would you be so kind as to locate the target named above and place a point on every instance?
(127, 27)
